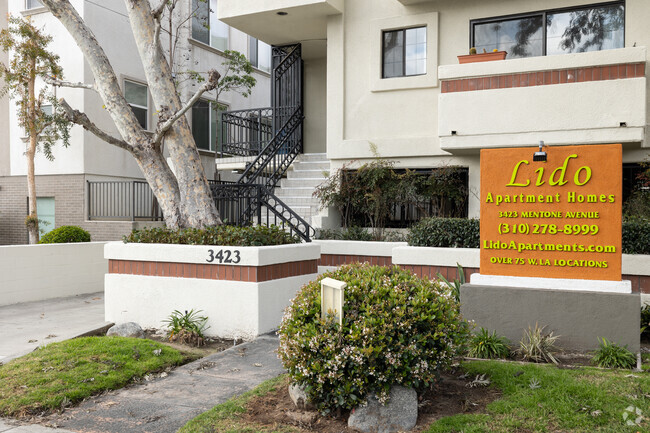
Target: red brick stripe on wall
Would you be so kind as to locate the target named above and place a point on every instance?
(558, 76)
(213, 272)
(338, 260)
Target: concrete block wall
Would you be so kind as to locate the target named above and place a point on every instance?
(38, 272)
(69, 198)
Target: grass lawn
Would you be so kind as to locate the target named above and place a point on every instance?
(575, 400)
(67, 372)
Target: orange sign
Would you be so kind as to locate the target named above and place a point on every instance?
(555, 219)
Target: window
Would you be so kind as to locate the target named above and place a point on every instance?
(33, 4)
(259, 54)
(137, 97)
(575, 30)
(206, 27)
(45, 212)
(404, 52)
(206, 125)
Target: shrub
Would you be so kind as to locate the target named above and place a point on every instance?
(219, 235)
(645, 321)
(636, 236)
(488, 346)
(397, 329)
(611, 355)
(187, 328)
(445, 232)
(65, 234)
(353, 233)
(537, 346)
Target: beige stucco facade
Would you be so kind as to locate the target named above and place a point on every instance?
(88, 157)
(411, 121)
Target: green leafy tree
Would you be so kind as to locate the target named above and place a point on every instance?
(29, 66)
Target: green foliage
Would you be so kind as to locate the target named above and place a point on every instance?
(219, 235)
(369, 195)
(455, 286)
(31, 60)
(397, 329)
(445, 232)
(65, 234)
(187, 327)
(645, 320)
(60, 374)
(636, 236)
(353, 233)
(638, 205)
(488, 346)
(611, 355)
(537, 346)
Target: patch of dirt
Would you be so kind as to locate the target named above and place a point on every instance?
(449, 397)
(210, 346)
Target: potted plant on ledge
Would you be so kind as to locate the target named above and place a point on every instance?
(474, 57)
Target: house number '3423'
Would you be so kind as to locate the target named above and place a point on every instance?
(223, 256)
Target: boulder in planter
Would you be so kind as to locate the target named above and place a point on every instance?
(399, 414)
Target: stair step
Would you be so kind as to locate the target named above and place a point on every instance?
(306, 174)
(313, 157)
(301, 182)
(312, 165)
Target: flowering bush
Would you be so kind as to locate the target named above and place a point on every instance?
(397, 329)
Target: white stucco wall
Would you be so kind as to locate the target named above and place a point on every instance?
(38, 272)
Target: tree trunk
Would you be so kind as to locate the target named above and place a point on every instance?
(197, 205)
(32, 222)
(184, 198)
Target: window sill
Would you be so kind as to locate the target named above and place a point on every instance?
(261, 72)
(204, 152)
(206, 47)
(34, 11)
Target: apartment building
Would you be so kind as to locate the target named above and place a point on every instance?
(385, 75)
(93, 184)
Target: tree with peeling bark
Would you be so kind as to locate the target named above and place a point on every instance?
(184, 195)
(38, 110)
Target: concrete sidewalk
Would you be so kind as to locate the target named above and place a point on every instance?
(165, 404)
(24, 327)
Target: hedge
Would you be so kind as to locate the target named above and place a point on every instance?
(219, 235)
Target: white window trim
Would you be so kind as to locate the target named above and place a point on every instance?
(428, 80)
(140, 83)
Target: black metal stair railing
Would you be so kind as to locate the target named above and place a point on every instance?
(275, 137)
(232, 198)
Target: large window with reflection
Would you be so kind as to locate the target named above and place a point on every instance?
(571, 30)
(206, 27)
(206, 125)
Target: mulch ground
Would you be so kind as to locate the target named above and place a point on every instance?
(450, 396)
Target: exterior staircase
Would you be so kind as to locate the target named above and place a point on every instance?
(296, 190)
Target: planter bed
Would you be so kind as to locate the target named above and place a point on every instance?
(242, 290)
(336, 253)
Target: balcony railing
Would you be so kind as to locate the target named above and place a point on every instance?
(122, 201)
(246, 132)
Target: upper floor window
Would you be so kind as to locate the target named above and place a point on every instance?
(259, 54)
(206, 124)
(573, 30)
(206, 27)
(137, 97)
(33, 4)
(404, 52)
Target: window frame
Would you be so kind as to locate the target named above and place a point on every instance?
(146, 86)
(212, 146)
(29, 8)
(403, 30)
(211, 14)
(256, 61)
(543, 14)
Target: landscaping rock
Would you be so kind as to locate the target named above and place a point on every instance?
(129, 329)
(299, 397)
(399, 414)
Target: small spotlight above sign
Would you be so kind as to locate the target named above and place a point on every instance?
(541, 155)
(331, 299)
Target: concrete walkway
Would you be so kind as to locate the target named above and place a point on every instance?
(165, 404)
(24, 327)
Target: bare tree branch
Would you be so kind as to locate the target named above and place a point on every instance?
(58, 83)
(75, 116)
(158, 11)
(165, 120)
